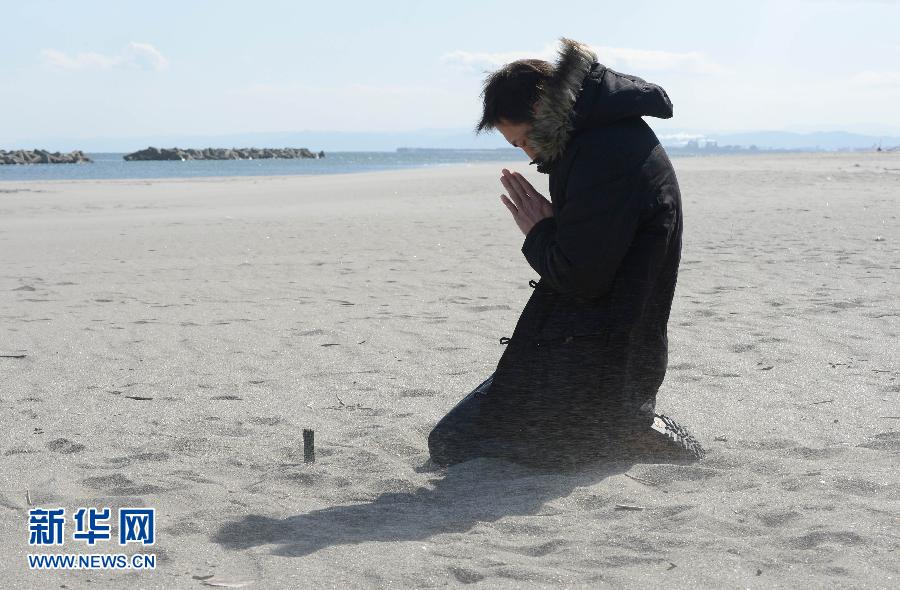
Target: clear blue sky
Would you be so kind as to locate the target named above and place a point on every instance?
(127, 69)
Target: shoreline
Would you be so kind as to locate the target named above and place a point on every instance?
(762, 155)
(261, 177)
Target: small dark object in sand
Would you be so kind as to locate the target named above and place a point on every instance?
(309, 449)
(344, 406)
(12, 356)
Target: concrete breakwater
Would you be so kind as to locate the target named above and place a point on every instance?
(153, 154)
(42, 157)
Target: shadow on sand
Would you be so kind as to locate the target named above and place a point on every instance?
(483, 490)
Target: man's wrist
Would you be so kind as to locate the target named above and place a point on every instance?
(539, 226)
(538, 229)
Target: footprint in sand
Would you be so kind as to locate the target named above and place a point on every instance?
(539, 550)
(591, 502)
(17, 451)
(884, 441)
(182, 528)
(140, 458)
(768, 444)
(481, 308)
(188, 446)
(118, 485)
(190, 475)
(861, 487)
(65, 446)
(311, 333)
(777, 518)
(670, 512)
(663, 474)
(317, 480)
(418, 393)
(236, 430)
(815, 454)
(465, 576)
(265, 420)
(738, 348)
(815, 539)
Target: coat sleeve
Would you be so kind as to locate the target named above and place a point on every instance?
(580, 250)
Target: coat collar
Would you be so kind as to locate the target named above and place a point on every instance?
(553, 123)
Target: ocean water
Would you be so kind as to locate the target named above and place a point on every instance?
(112, 166)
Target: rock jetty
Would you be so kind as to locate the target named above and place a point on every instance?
(42, 157)
(152, 153)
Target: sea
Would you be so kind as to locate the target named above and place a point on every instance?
(109, 166)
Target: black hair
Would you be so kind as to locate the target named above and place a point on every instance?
(510, 92)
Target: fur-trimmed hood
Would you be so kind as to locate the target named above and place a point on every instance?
(580, 94)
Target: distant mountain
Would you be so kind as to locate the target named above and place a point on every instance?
(786, 140)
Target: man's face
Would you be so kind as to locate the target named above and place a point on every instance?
(517, 135)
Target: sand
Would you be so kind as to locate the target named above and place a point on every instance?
(179, 335)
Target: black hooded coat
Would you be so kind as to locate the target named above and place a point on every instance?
(590, 349)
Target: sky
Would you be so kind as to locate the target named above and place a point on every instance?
(113, 69)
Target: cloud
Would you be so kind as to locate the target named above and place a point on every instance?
(295, 89)
(871, 78)
(136, 55)
(638, 60)
(79, 61)
(349, 107)
(352, 93)
(468, 59)
(653, 60)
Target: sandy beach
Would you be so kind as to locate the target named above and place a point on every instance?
(166, 342)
